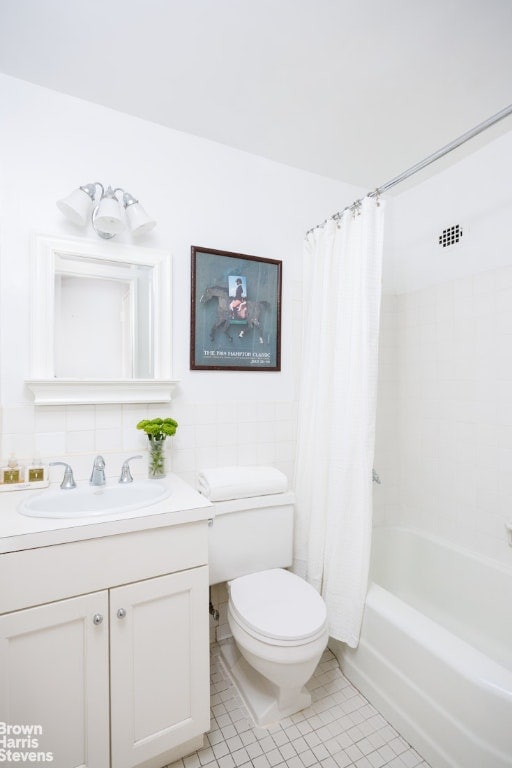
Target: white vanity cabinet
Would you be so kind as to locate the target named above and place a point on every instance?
(54, 677)
(159, 665)
(104, 646)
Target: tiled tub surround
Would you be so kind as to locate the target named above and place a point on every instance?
(209, 434)
(444, 416)
(444, 421)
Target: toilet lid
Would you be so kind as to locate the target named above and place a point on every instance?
(278, 604)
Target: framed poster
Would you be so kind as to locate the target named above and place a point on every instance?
(235, 312)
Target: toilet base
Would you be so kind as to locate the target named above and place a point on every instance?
(259, 695)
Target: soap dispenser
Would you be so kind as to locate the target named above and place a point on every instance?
(37, 471)
(13, 472)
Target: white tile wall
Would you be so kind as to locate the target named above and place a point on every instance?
(444, 427)
(209, 434)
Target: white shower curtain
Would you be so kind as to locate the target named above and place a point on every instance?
(337, 402)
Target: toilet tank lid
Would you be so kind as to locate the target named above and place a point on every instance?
(278, 604)
(253, 502)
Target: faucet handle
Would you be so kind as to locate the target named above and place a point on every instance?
(126, 475)
(68, 481)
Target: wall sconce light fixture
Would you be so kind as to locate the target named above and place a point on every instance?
(105, 210)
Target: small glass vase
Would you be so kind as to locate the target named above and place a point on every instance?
(156, 462)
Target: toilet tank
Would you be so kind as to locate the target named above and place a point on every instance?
(250, 535)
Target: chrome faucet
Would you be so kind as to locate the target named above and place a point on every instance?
(68, 481)
(98, 471)
(126, 475)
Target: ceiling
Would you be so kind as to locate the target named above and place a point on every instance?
(357, 90)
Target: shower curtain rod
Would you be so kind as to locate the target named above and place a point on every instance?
(424, 163)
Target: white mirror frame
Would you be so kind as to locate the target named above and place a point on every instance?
(50, 390)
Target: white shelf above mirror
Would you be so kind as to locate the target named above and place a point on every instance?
(101, 323)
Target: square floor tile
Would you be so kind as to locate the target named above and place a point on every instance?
(339, 730)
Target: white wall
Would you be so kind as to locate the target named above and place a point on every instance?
(201, 193)
(444, 433)
(475, 193)
(444, 437)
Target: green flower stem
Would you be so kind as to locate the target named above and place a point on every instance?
(156, 465)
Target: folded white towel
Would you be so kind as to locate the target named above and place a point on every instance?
(223, 483)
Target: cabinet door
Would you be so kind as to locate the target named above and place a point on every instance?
(159, 665)
(54, 680)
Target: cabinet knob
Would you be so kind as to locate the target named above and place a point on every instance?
(97, 618)
(121, 613)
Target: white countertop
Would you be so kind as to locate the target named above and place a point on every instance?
(18, 532)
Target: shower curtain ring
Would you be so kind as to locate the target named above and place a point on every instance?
(356, 208)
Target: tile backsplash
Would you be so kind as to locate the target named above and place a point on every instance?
(209, 434)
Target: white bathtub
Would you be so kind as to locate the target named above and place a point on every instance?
(435, 655)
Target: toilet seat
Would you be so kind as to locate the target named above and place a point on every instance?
(278, 607)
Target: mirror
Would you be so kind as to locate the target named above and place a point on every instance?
(116, 337)
(101, 323)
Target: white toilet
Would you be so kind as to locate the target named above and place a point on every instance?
(278, 621)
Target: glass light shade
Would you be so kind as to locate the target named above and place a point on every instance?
(138, 220)
(76, 207)
(107, 218)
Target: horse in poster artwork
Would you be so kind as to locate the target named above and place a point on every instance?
(247, 315)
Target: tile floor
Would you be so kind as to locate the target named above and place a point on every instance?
(339, 730)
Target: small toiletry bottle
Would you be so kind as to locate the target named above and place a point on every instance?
(37, 471)
(12, 473)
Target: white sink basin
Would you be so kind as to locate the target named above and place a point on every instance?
(93, 500)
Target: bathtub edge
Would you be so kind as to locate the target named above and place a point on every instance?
(406, 727)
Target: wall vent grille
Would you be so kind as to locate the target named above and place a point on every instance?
(450, 236)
